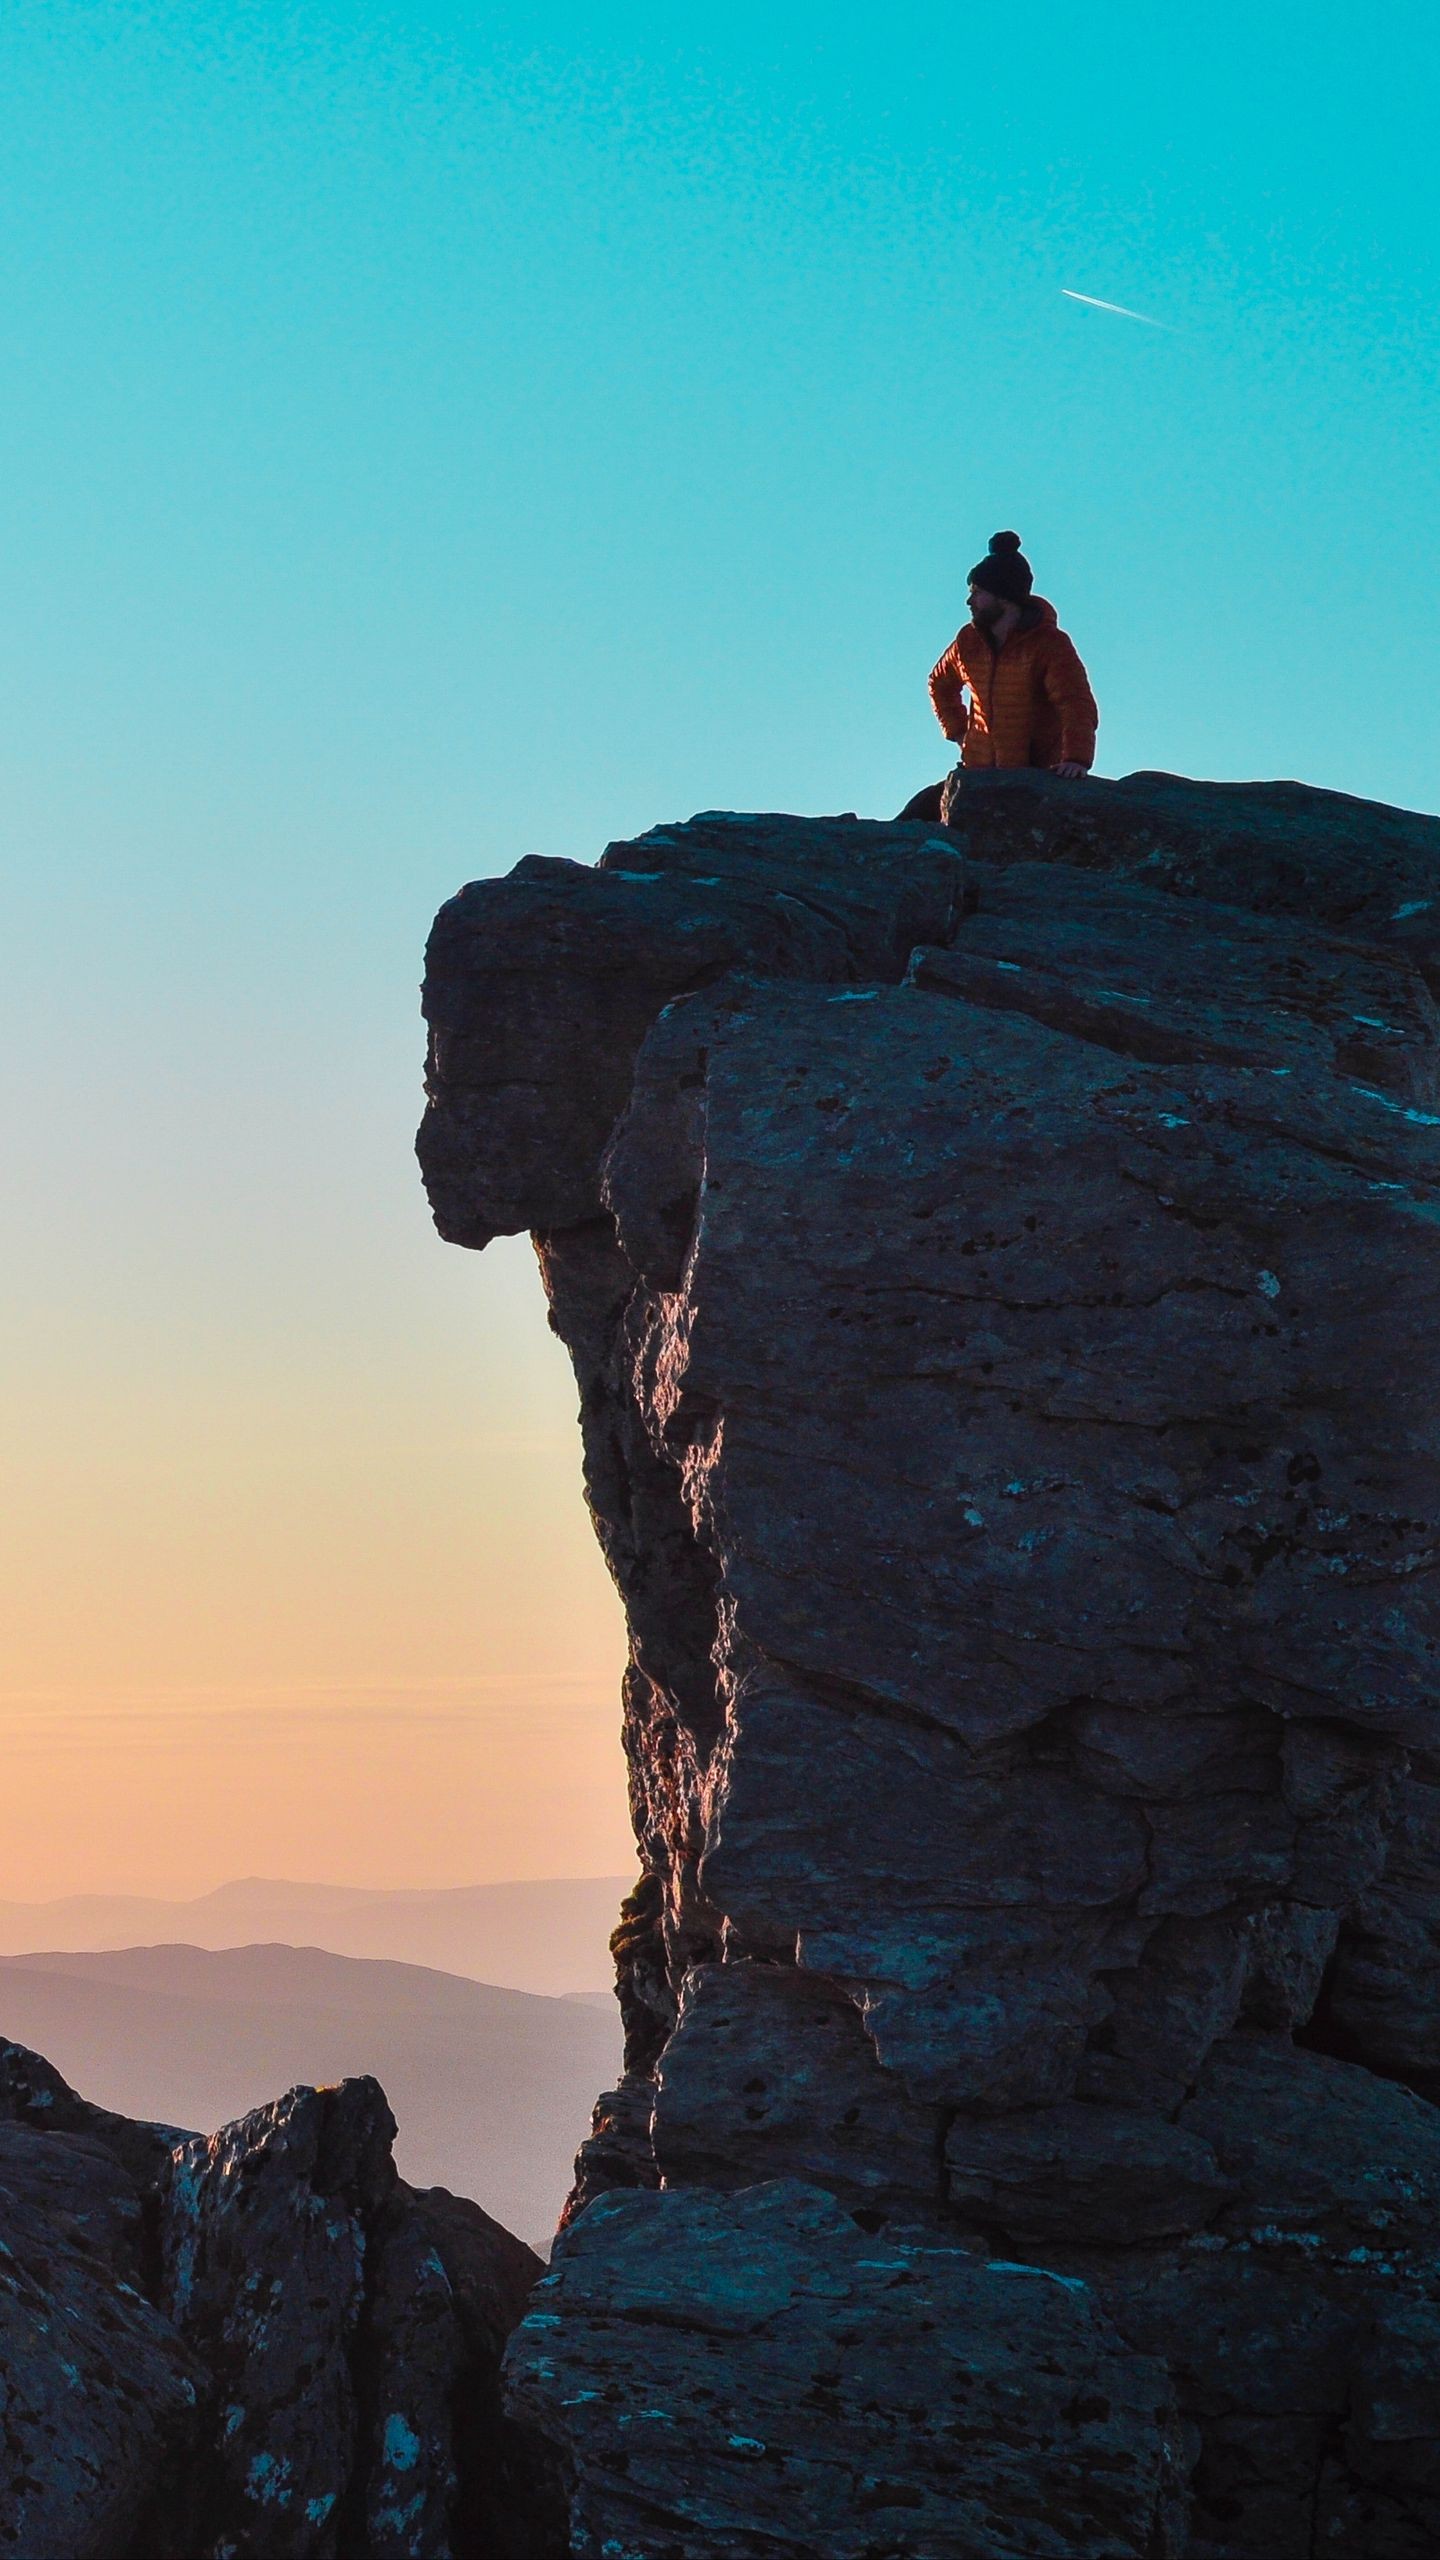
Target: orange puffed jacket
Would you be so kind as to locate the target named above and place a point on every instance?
(1030, 702)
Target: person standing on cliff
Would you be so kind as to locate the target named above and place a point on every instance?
(1030, 702)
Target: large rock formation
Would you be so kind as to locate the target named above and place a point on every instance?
(1002, 1269)
(261, 2346)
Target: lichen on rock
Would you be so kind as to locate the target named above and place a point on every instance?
(259, 2345)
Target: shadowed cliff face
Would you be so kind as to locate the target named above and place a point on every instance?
(1001, 1268)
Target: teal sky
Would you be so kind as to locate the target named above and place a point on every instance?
(430, 434)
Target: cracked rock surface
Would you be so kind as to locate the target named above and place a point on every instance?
(1001, 1266)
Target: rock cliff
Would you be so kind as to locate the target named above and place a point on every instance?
(1001, 1266)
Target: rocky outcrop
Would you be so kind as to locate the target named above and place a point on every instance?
(258, 2344)
(1001, 1266)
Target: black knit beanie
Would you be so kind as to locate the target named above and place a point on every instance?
(1004, 571)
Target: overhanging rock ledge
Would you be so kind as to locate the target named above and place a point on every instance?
(1002, 1270)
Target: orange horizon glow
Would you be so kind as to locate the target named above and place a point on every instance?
(303, 1619)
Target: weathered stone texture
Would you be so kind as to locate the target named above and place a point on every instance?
(775, 2379)
(1002, 1269)
(258, 2344)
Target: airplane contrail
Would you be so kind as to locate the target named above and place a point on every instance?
(1117, 307)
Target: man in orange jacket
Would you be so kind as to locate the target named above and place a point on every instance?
(1030, 699)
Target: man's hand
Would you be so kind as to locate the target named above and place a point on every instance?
(1071, 772)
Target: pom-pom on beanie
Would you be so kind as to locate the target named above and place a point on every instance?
(1004, 571)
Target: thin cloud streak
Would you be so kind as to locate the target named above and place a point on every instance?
(1093, 303)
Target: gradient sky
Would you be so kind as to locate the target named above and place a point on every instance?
(434, 433)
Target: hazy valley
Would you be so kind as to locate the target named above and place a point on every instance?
(550, 1937)
(491, 2087)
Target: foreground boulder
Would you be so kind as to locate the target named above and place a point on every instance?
(1009, 2400)
(262, 2343)
(1002, 1269)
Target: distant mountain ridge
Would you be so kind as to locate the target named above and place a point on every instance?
(492, 2088)
(548, 1937)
